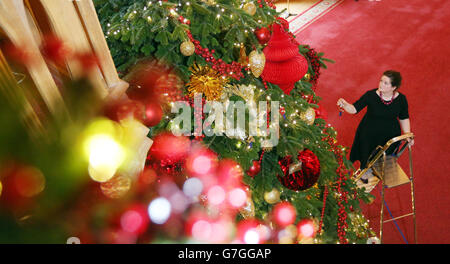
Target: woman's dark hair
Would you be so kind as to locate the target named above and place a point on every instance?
(396, 77)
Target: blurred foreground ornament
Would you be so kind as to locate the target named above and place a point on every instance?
(284, 214)
(136, 145)
(116, 187)
(306, 230)
(169, 88)
(101, 143)
(187, 48)
(169, 149)
(251, 231)
(287, 235)
(229, 173)
(106, 155)
(135, 219)
(153, 114)
(272, 197)
(21, 184)
(201, 162)
(153, 81)
(124, 109)
(257, 61)
(54, 49)
(308, 116)
(22, 181)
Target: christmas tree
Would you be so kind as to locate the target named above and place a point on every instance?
(241, 148)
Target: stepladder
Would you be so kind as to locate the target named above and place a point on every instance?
(385, 167)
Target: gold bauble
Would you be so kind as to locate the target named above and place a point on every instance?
(250, 8)
(272, 197)
(308, 116)
(248, 210)
(257, 60)
(117, 187)
(187, 48)
(1, 188)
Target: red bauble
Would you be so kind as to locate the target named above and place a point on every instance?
(254, 169)
(263, 35)
(153, 114)
(304, 178)
(169, 149)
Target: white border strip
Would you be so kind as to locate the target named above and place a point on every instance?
(303, 20)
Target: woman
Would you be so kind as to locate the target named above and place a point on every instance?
(386, 117)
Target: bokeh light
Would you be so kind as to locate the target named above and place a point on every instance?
(306, 229)
(192, 187)
(216, 195)
(134, 220)
(29, 181)
(201, 162)
(159, 210)
(237, 197)
(105, 156)
(201, 230)
(251, 236)
(284, 214)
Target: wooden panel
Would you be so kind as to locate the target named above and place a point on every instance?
(67, 26)
(97, 40)
(13, 20)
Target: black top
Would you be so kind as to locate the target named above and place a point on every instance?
(379, 124)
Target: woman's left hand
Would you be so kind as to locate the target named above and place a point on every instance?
(410, 141)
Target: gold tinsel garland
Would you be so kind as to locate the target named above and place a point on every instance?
(206, 81)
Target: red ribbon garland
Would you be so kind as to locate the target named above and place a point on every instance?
(325, 195)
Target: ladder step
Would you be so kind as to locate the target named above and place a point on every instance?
(398, 217)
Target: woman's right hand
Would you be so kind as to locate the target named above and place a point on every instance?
(341, 103)
(344, 105)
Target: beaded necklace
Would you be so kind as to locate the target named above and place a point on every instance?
(387, 102)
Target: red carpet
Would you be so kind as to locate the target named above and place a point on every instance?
(366, 38)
